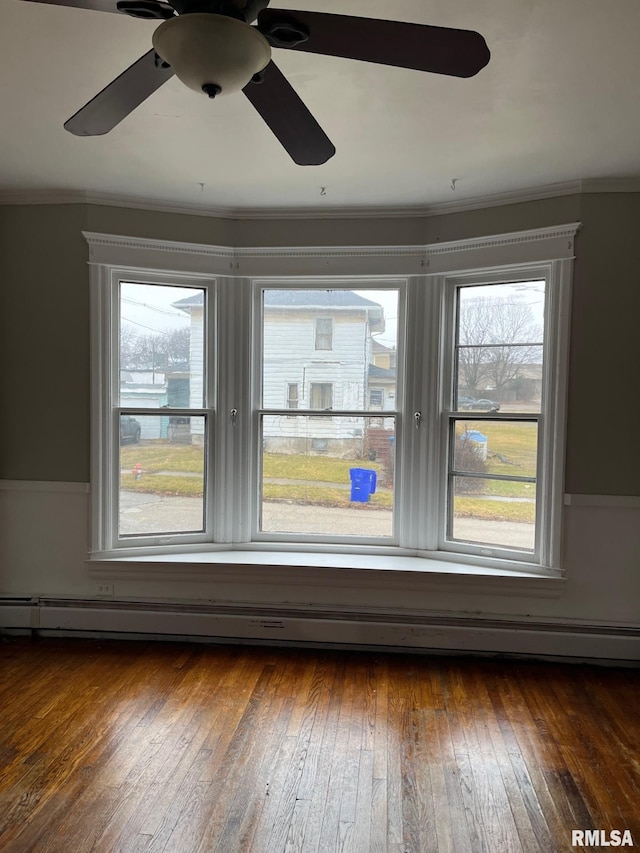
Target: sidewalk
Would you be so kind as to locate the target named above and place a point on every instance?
(144, 513)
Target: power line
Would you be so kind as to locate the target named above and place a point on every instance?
(152, 307)
(149, 328)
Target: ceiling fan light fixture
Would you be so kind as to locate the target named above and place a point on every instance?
(212, 53)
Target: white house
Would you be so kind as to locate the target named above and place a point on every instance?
(317, 354)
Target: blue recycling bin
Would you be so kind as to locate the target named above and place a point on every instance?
(363, 484)
(480, 441)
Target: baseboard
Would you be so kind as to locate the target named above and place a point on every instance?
(282, 626)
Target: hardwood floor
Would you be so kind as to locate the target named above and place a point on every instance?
(120, 746)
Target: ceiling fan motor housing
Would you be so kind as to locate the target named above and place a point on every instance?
(212, 53)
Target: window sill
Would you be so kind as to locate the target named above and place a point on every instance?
(395, 570)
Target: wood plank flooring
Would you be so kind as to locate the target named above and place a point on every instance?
(146, 747)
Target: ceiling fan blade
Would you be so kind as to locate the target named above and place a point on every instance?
(119, 98)
(97, 5)
(289, 119)
(441, 50)
(250, 8)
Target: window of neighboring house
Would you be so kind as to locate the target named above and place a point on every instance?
(324, 333)
(292, 395)
(321, 396)
(466, 461)
(376, 398)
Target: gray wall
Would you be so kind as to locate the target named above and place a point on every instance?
(44, 429)
(603, 450)
(44, 344)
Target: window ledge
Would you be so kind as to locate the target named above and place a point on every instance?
(354, 570)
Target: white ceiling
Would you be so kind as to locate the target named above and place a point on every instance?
(559, 102)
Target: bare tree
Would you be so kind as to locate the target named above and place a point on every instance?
(496, 338)
(156, 351)
(128, 346)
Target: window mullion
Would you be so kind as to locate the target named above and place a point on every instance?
(419, 446)
(231, 485)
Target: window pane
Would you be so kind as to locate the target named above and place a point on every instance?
(161, 346)
(337, 346)
(328, 475)
(162, 474)
(508, 448)
(321, 396)
(292, 395)
(499, 347)
(494, 511)
(482, 517)
(324, 333)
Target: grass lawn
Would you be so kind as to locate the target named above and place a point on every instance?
(475, 507)
(511, 452)
(161, 455)
(161, 484)
(320, 469)
(517, 446)
(323, 496)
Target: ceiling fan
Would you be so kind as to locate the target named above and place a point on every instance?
(213, 47)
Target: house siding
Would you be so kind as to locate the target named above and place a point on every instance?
(290, 357)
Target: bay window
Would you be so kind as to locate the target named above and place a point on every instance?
(409, 401)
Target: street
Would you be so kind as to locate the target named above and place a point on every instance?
(148, 513)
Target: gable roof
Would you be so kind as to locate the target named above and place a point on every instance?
(327, 301)
(317, 299)
(298, 299)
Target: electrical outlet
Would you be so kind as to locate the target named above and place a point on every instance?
(104, 589)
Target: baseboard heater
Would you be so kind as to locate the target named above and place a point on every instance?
(321, 627)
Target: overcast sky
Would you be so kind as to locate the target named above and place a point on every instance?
(149, 308)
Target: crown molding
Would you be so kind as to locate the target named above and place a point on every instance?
(534, 246)
(589, 185)
(553, 232)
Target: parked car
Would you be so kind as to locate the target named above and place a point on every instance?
(486, 405)
(466, 403)
(129, 429)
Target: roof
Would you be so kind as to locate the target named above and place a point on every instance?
(189, 301)
(298, 299)
(376, 372)
(317, 299)
(378, 347)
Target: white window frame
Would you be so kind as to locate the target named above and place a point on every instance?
(106, 407)
(430, 272)
(550, 420)
(361, 283)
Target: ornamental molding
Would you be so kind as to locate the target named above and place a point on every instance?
(513, 238)
(538, 245)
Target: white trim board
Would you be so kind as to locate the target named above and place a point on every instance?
(327, 629)
(521, 248)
